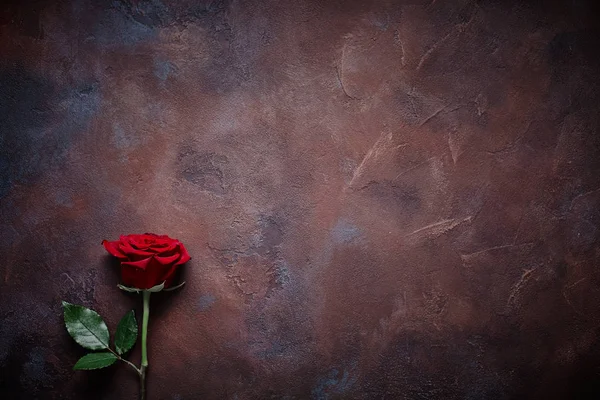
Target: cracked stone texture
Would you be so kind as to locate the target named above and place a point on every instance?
(382, 199)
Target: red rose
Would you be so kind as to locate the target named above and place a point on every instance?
(147, 260)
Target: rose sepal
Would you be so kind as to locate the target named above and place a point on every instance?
(174, 287)
(129, 289)
(153, 289)
(156, 289)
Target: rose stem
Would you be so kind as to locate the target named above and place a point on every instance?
(144, 365)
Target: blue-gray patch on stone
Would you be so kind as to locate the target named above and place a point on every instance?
(344, 232)
(275, 349)
(9, 235)
(282, 275)
(34, 372)
(39, 124)
(117, 27)
(163, 68)
(206, 301)
(63, 198)
(8, 335)
(332, 384)
(152, 13)
(123, 140)
(24, 110)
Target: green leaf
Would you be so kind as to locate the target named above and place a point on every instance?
(127, 331)
(95, 361)
(85, 326)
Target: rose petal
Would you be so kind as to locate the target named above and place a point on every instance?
(157, 273)
(149, 259)
(168, 276)
(137, 241)
(138, 246)
(132, 252)
(168, 260)
(169, 250)
(137, 274)
(185, 257)
(113, 249)
(132, 276)
(140, 264)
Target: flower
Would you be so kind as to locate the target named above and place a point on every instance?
(147, 260)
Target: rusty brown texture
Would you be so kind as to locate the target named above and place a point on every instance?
(382, 199)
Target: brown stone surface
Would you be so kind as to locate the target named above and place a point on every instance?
(382, 199)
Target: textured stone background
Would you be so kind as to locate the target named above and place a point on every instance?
(382, 199)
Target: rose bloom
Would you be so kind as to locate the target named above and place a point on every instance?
(147, 260)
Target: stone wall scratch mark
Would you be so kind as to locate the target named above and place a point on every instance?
(572, 285)
(339, 70)
(435, 113)
(576, 198)
(68, 277)
(438, 228)
(374, 152)
(459, 28)
(414, 167)
(519, 226)
(568, 300)
(506, 246)
(398, 40)
(428, 53)
(339, 77)
(517, 287)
